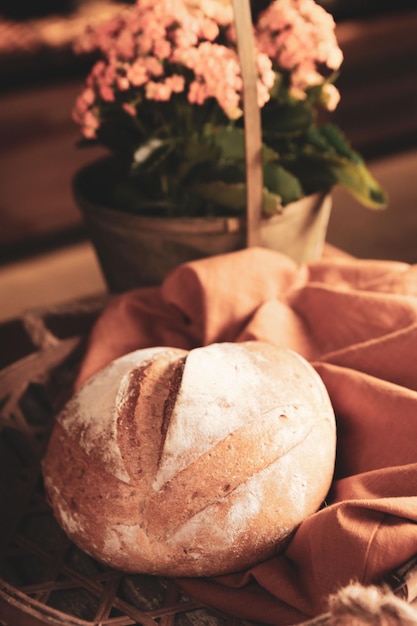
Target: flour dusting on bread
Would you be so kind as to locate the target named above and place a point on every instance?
(192, 463)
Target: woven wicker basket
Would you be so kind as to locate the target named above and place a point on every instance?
(44, 578)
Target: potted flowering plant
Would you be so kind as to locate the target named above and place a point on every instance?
(165, 97)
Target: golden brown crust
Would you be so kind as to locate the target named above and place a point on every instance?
(209, 458)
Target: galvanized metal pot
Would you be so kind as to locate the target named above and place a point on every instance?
(135, 250)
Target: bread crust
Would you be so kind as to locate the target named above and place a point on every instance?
(192, 463)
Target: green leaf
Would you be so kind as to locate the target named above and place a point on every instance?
(231, 142)
(287, 119)
(358, 180)
(197, 150)
(312, 171)
(328, 156)
(195, 153)
(233, 197)
(331, 138)
(271, 203)
(281, 182)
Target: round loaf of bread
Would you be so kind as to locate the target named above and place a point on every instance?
(192, 463)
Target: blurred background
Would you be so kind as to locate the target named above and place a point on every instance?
(45, 256)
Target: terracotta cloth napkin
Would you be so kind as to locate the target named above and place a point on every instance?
(356, 321)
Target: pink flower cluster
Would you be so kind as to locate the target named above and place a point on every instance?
(299, 35)
(151, 50)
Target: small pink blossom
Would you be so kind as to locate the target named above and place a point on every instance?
(197, 93)
(177, 83)
(105, 82)
(265, 70)
(98, 69)
(125, 45)
(163, 90)
(137, 73)
(221, 12)
(87, 97)
(153, 66)
(129, 108)
(122, 82)
(162, 49)
(209, 30)
(87, 118)
(107, 93)
(263, 94)
(331, 97)
(90, 125)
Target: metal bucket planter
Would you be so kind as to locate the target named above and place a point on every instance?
(136, 250)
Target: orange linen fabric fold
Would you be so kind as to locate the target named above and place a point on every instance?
(356, 321)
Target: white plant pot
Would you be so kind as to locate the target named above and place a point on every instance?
(135, 250)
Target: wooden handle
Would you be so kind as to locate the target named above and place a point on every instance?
(252, 119)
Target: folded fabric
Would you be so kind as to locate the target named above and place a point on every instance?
(356, 321)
